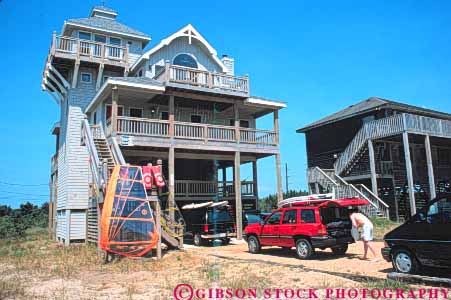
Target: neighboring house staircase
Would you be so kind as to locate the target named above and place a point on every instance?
(103, 157)
(331, 181)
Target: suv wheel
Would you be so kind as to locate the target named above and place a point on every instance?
(197, 240)
(340, 250)
(404, 262)
(253, 244)
(304, 249)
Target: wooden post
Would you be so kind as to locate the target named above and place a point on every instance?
(405, 139)
(237, 122)
(255, 178)
(224, 181)
(75, 74)
(316, 188)
(279, 179)
(171, 116)
(115, 99)
(372, 167)
(276, 126)
(171, 196)
(238, 204)
(50, 226)
(427, 146)
(52, 50)
(167, 71)
(158, 224)
(99, 76)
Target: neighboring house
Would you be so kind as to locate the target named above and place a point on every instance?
(396, 155)
(177, 102)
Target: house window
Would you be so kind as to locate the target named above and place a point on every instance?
(86, 77)
(185, 60)
(115, 41)
(100, 38)
(164, 115)
(82, 35)
(244, 123)
(140, 73)
(196, 119)
(136, 112)
(120, 111)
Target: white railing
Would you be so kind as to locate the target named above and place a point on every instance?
(95, 165)
(257, 136)
(192, 131)
(85, 48)
(333, 183)
(193, 188)
(427, 125)
(201, 78)
(141, 126)
(97, 132)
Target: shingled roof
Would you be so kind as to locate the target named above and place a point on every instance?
(372, 104)
(107, 22)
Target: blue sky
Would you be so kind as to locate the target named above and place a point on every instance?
(318, 56)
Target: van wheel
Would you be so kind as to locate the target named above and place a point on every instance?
(340, 250)
(253, 244)
(304, 249)
(197, 240)
(404, 262)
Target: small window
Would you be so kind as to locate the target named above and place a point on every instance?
(100, 38)
(244, 123)
(120, 111)
(82, 35)
(232, 122)
(86, 77)
(185, 60)
(105, 78)
(136, 112)
(274, 219)
(289, 217)
(196, 119)
(140, 73)
(308, 216)
(129, 43)
(164, 115)
(115, 41)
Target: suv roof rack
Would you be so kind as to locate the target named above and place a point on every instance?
(305, 200)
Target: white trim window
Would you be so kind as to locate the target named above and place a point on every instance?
(86, 77)
(120, 111)
(84, 35)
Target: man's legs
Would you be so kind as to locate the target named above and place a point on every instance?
(371, 249)
(365, 249)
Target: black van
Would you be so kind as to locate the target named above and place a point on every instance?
(209, 223)
(424, 240)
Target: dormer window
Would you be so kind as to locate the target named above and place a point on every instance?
(185, 60)
(82, 35)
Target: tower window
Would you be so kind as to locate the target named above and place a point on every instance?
(86, 77)
(185, 60)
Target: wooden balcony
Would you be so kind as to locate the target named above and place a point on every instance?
(196, 188)
(90, 51)
(195, 78)
(193, 133)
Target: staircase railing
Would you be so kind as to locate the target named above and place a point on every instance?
(381, 205)
(95, 165)
(117, 153)
(371, 130)
(343, 189)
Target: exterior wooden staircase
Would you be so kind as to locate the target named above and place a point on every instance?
(103, 158)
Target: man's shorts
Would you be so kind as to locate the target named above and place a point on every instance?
(367, 232)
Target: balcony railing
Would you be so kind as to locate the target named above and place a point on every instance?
(197, 188)
(193, 131)
(89, 49)
(201, 78)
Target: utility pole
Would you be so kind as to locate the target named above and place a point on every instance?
(286, 177)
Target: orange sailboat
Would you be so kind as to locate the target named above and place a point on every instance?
(127, 224)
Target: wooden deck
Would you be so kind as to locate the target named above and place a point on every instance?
(89, 51)
(148, 132)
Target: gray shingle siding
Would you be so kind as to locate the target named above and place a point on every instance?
(107, 24)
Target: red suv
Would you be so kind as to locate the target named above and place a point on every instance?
(306, 225)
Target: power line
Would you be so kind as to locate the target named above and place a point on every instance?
(20, 184)
(25, 194)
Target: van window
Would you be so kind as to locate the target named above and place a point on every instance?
(440, 212)
(289, 217)
(308, 216)
(274, 219)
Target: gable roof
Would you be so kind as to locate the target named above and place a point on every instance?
(369, 105)
(107, 25)
(187, 31)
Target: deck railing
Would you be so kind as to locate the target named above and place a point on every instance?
(85, 48)
(201, 78)
(197, 188)
(192, 131)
